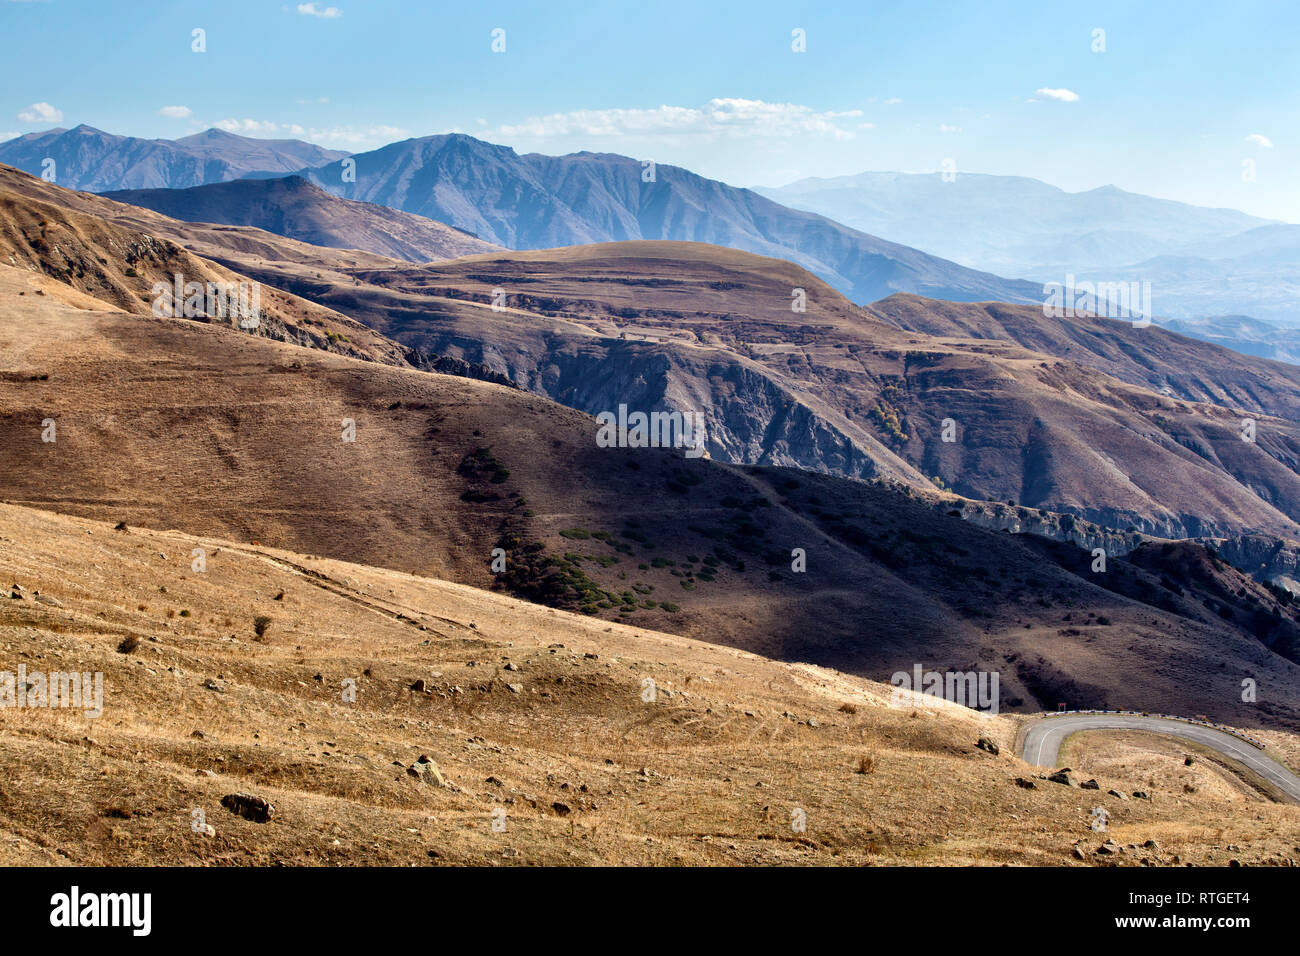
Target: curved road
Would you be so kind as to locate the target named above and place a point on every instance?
(1044, 737)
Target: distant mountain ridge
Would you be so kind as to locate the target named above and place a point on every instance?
(534, 201)
(89, 159)
(1012, 224)
(1199, 261)
(296, 208)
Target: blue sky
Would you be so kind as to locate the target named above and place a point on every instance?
(1183, 96)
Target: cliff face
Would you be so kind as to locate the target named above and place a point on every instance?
(1263, 558)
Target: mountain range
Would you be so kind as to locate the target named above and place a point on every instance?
(1199, 261)
(295, 208)
(89, 159)
(868, 235)
(1120, 426)
(196, 423)
(503, 198)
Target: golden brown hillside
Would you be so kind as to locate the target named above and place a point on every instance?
(167, 423)
(534, 719)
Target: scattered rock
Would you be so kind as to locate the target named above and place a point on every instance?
(561, 808)
(1151, 845)
(419, 686)
(1077, 853)
(1105, 850)
(1064, 776)
(1090, 785)
(46, 599)
(516, 688)
(1141, 795)
(511, 666)
(249, 807)
(989, 744)
(211, 684)
(1188, 761)
(1026, 784)
(426, 771)
(1116, 793)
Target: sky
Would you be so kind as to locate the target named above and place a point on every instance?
(1196, 101)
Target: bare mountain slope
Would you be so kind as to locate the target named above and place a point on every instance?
(88, 158)
(563, 747)
(839, 389)
(834, 388)
(1155, 358)
(295, 208)
(535, 201)
(122, 266)
(175, 424)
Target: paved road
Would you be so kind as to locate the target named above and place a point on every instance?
(1044, 737)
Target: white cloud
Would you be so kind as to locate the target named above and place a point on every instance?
(176, 112)
(311, 10)
(945, 128)
(893, 101)
(1263, 142)
(41, 113)
(343, 137)
(319, 99)
(716, 118)
(1061, 95)
(246, 126)
(6, 137)
(347, 137)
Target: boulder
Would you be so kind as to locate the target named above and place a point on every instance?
(1026, 784)
(1064, 776)
(249, 807)
(426, 771)
(1090, 785)
(989, 744)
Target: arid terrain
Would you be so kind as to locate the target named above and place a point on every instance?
(533, 719)
(395, 490)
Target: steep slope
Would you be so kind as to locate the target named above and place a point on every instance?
(1150, 356)
(1243, 334)
(837, 388)
(90, 159)
(175, 424)
(295, 208)
(123, 268)
(563, 752)
(535, 201)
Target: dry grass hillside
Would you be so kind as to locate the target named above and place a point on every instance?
(121, 266)
(538, 742)
(295, 208)
(167, 423)
(838, 389)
